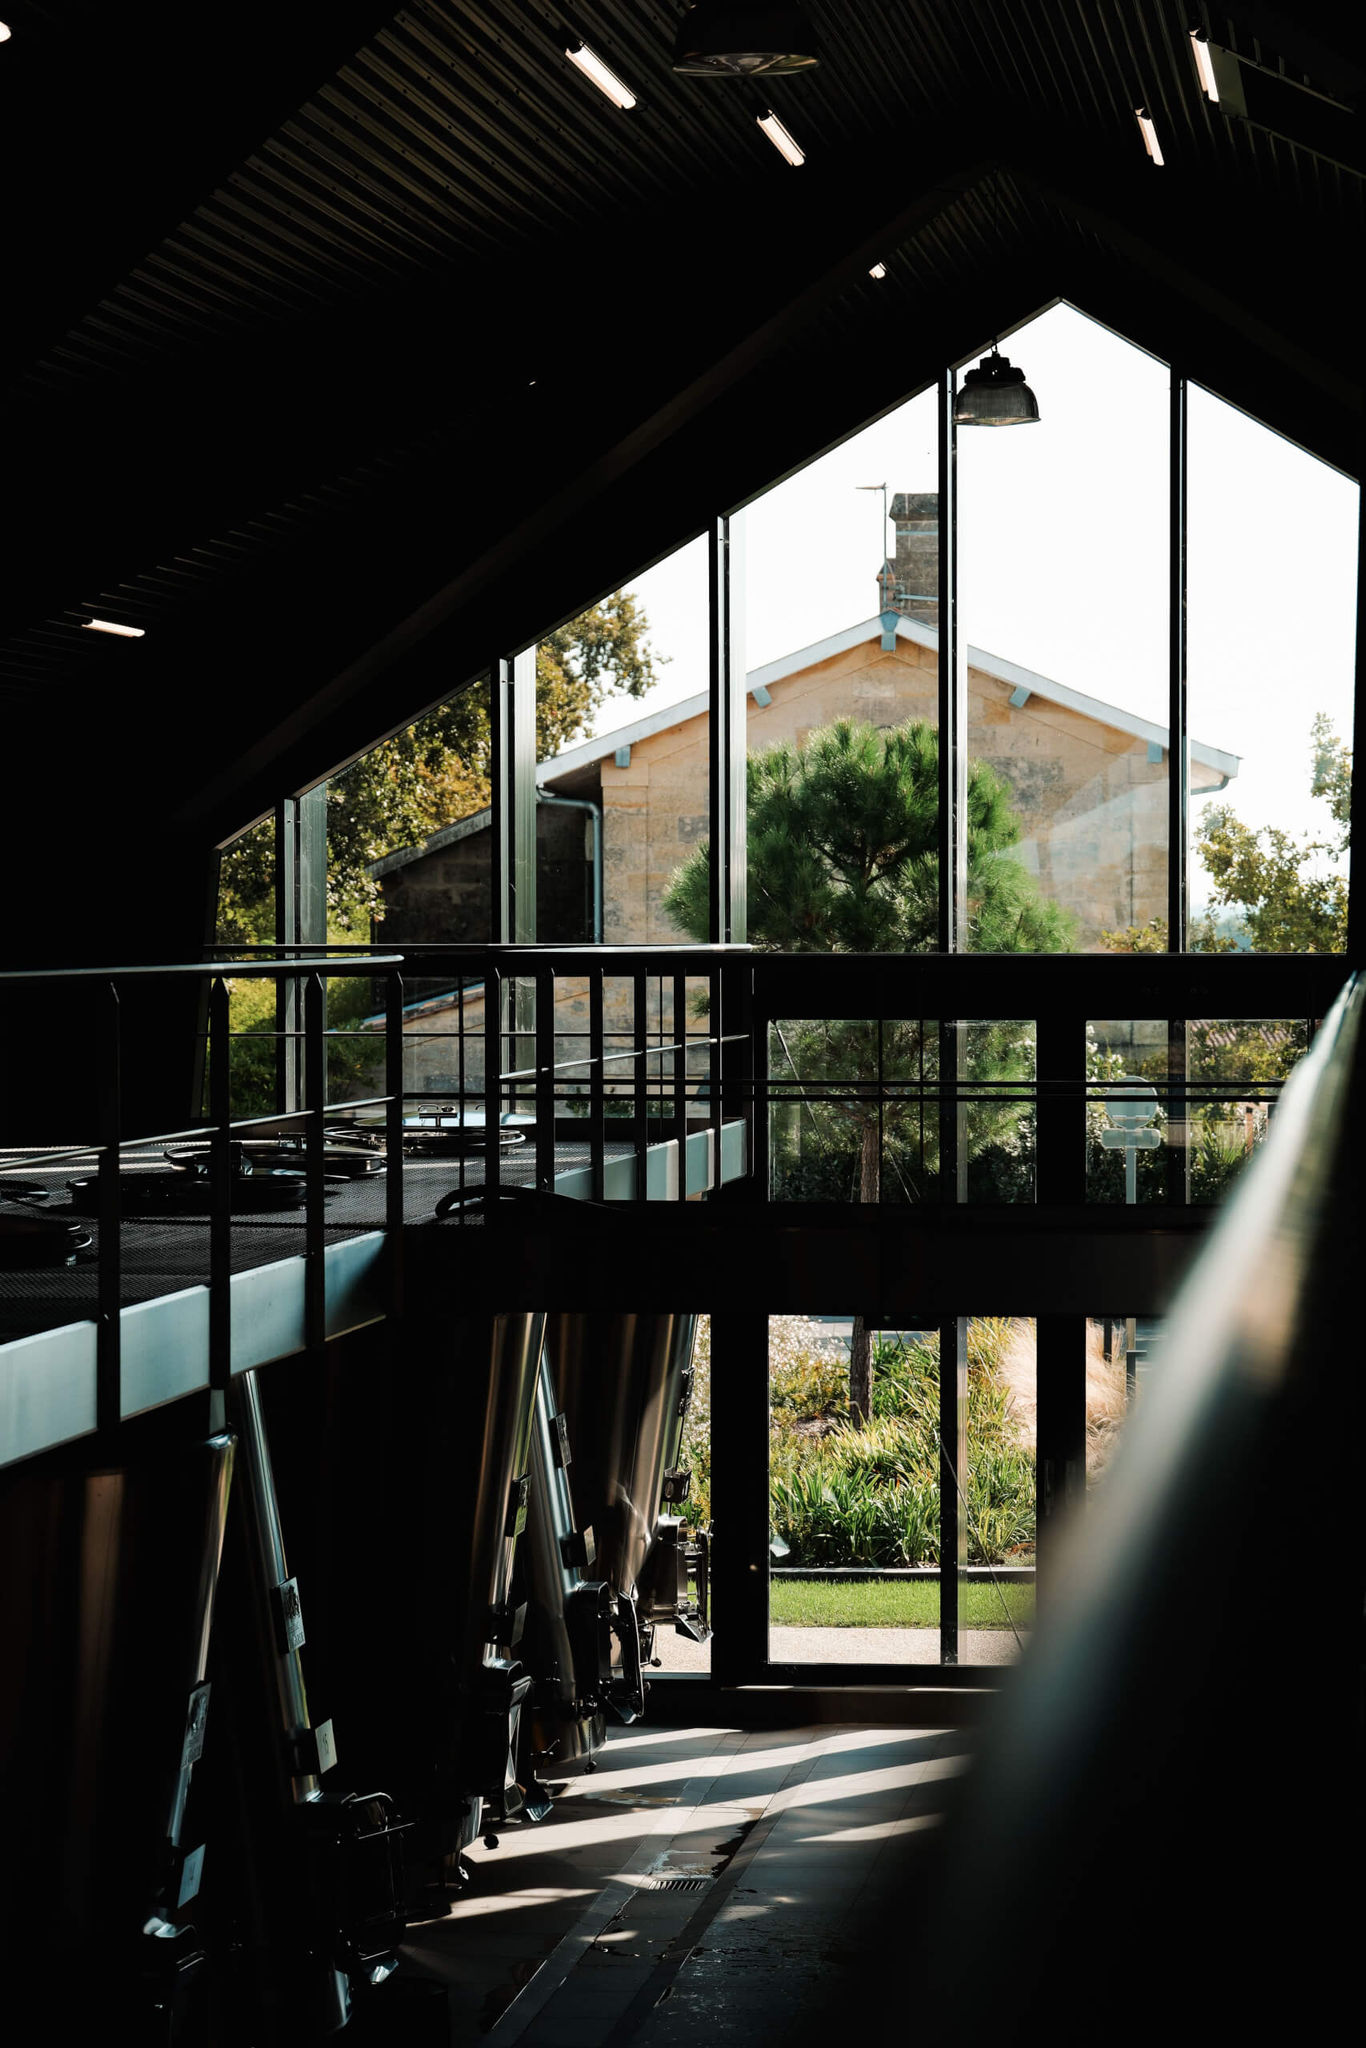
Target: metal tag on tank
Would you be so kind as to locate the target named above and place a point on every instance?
(521, 1493)
(195, 1723)
(563, 1455)
(289, 1617)
(191, 1872)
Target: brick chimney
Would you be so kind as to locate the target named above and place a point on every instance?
(910, 581)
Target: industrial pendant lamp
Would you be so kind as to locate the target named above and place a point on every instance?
(995, 395)
(742, 38)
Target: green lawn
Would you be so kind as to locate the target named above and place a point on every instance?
(892, 1603)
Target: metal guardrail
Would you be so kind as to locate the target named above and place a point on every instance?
(594, 1046)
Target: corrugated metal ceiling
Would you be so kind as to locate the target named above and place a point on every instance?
(458, 147)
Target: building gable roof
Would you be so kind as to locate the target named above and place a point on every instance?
(586, 752)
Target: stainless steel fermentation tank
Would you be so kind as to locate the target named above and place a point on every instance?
(567, 1646)
(623, 1384)
(499, 1357)
(107, 1605)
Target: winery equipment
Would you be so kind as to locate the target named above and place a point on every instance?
(323, 1869)
(624, 1383)
(567, 1646)
(109, 1588)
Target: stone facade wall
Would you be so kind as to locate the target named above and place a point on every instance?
(1092, 806)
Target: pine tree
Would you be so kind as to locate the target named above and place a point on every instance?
(843, 858)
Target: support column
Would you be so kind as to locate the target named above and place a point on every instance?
(1060, 1450)
(1061, 1429)
(739, 1480)
(953, 1480)
(726, 568)
(953, 694)
(1178, 742)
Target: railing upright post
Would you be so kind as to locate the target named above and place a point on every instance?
(545, 1080)
(493, 1077)
(315, 1242)
(759, 1022)
(393, 1136)
(220, 1202)
(597, 1090)
(108, 1359)
(680, 1066)
(640, 1063)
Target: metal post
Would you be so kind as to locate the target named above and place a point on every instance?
(1178, 741)
(759, 1021)
(500, 801)
(220, 1204)
(544, 985)
(315, 1139)
(494, 999)
(393, 1136)
(597, 1092)
(680, 1067)
(1060, 1365)
(1356, 863)
(109, 1329)
(953, 1483)
(726, 588)
(287, 934)
(522, 799)
(953, 694)
(739, 1469)
(642, 1086)
(1060, 1360)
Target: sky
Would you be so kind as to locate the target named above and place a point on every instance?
(1063, 559)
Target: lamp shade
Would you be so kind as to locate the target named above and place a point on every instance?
(742, 38)
(995, 395)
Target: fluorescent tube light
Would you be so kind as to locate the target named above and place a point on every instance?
(1204, 66)
(109, 626)
(781, 140)
(878, 270)
(1150, 141)
(605, 79)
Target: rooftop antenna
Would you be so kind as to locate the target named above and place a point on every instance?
(883, 575)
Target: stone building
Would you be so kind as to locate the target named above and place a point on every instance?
(623, 810)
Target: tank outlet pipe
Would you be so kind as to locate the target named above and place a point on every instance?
(350, 1847)
(570, 1609)
(594, 813)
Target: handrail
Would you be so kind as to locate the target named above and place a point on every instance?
(1135, 1758)
(202, 969)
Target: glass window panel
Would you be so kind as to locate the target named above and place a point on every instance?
(1272, 623)
(674, 1649)
(855, 1111)
(622, 738)
(1176, 1109)
(855, 1511)
(1063, 576)
(246, 917)
(842, 713)
(409, 863)
(1123, 1353)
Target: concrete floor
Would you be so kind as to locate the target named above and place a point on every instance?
(702, 1886)
(852, 1646)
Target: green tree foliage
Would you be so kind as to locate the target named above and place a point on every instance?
(437, 771)
(843, 854)
(430, 775)
(843, 858)
(1290, 900)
